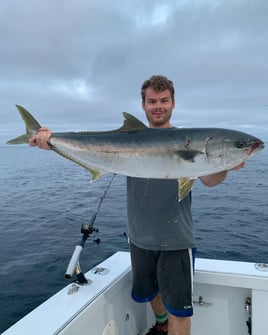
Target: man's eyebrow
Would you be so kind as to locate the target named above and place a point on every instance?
(153, 99)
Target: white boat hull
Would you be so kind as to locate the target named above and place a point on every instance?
(104, 307)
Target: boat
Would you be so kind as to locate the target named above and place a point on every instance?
(230, 298)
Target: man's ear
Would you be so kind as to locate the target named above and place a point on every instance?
(143, 105)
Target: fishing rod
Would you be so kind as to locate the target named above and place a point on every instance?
(86, 230)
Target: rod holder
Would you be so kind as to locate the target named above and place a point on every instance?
(73, 266)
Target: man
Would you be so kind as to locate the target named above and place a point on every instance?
(160, 227)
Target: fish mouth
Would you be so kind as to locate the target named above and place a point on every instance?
(258, 145)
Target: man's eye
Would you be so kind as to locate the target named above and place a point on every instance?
(165, 101)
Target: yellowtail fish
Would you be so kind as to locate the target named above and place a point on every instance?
(138, 151)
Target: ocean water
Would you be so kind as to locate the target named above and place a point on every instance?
(44, 199)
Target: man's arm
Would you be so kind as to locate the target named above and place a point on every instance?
(217, 178)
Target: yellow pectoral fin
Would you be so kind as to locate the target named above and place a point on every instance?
(184, 187)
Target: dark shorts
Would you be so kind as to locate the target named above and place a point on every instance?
(169, 273)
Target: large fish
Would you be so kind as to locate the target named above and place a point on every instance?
(138, 151)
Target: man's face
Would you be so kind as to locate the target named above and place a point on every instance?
(158, 108)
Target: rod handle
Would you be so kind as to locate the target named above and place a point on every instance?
(73, 261)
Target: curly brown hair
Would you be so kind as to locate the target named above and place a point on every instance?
(158, 83)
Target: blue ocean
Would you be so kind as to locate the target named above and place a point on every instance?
(45, 199)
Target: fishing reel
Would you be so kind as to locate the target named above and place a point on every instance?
(87, 230)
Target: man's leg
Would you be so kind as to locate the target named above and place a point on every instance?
(175, 277)
(161, 316)
(178, 325)
(157, 306)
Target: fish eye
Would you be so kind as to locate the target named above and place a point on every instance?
(240, 143)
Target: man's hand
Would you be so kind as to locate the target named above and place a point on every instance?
(217, 178)
(41, 139)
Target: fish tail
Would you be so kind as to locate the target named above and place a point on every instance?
(32, 127)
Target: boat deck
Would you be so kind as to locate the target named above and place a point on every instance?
(104, 306)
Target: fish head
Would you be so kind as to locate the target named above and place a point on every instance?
(242, 146)
(231, 148)
(250, 145)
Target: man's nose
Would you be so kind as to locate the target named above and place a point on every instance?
(159, 104)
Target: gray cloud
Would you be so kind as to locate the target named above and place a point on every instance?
(79, 64)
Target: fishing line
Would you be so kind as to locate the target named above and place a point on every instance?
(88, 228)
(103, 197)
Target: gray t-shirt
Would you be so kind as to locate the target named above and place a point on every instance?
(156, 219)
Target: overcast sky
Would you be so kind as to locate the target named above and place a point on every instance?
(78, 64)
